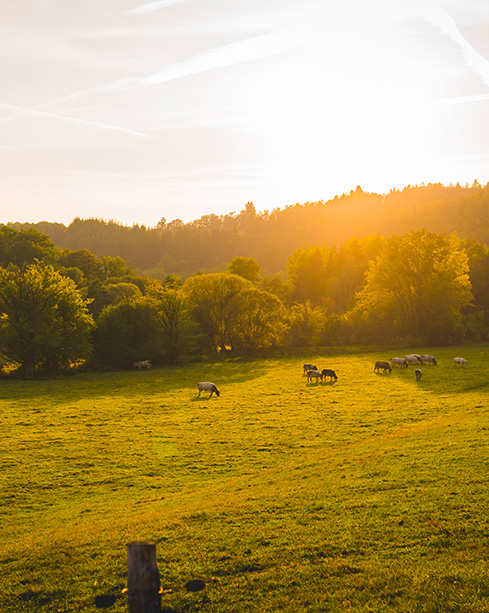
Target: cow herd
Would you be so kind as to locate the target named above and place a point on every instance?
(412, 358)
(313, 373)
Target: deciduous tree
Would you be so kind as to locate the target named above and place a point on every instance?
(44, 320)
(248, 268)
(261, 320)
(213, 306)
(24, 246)
(420, 285)
(172, 314)
(307, 273)
(127, 332)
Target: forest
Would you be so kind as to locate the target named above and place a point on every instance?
(209, 243)
(410, 267)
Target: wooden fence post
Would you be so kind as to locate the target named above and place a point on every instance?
(143, 579)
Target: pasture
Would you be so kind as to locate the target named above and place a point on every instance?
(366, 494)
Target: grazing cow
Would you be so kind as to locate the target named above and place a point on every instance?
(308, 367)
(142, 364)
(413, 358)
(418, 374)
(326, 372)
(428, 359)
(314, 374)
(399, 362)
(382, 365)
(459, 362)
(208, 387)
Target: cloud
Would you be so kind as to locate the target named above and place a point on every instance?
(154, 6)
(21, 111)
(236, 53)
(439, 18)
(247, 50)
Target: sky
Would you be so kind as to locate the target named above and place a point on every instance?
(135, 111)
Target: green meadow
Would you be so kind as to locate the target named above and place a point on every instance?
(367, 494)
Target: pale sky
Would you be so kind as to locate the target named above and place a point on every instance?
(133, 111)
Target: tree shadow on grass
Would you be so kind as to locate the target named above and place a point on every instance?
(131, 384)
(448, 380)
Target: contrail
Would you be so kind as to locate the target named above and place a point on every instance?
(250, 49)
(247, 50)
(438, 17)
(19, 111)
(154, 6)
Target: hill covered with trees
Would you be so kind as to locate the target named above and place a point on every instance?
(209, 243)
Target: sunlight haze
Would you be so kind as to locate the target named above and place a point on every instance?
(134, 111)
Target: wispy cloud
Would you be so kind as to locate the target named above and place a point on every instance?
(255, 48)
(236, 53)
(154, 6)
(438, 17)
(21, 111)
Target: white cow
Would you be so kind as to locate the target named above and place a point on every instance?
(206, 386)
(428, 359)
(399, 362)
(314, 374)
(142, 364)
(459, 362)
(413, 358)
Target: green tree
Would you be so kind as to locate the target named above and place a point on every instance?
(478, 256)
(275, 286)
(173, 316)
(126, 333)
(419, 285)
(122, 292)
(346, 269)
(24, 246)
(307, 270)
(44, 321)
(115, 268)
(172, 282)
(83, 259)
(248, 268)
(260, 320)
(213, 306)
(97, 297)
(305, 324)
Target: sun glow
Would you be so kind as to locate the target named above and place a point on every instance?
(163, 108)
(330, 119)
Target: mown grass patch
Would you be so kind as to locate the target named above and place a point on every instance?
(368, 494)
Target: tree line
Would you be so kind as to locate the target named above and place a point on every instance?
(209, 243)
(61, 308)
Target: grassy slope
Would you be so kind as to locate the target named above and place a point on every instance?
(368, 494)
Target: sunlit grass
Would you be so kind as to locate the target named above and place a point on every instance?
(368, 494)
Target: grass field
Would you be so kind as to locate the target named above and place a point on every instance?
(368, 494)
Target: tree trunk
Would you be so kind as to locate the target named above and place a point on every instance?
(29, 370)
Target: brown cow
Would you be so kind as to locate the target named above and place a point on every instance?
(382, 365)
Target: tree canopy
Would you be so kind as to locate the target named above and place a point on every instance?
(43, 319)
(214, 307)
(420, 285)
